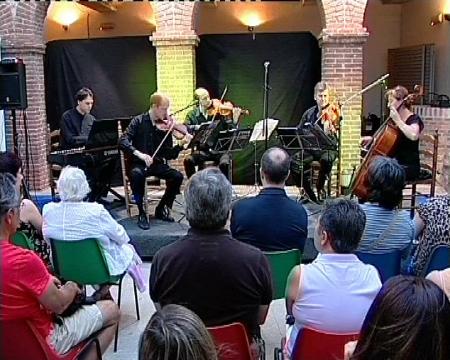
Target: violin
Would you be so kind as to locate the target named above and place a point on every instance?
(223, 108)
(179, 131)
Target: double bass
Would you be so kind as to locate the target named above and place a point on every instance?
(385, 142)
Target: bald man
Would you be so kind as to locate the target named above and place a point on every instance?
(271, 221)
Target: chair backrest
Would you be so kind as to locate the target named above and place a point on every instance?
(439, 259)
(388, 264)
(81, 261)
(314, 345)
(231, 341)
(21, 239)
(20, 340)
(430, 154)
(281, 264)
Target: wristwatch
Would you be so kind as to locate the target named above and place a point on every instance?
(290, 319)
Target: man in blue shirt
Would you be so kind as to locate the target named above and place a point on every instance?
(271, 221)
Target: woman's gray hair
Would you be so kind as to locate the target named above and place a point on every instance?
(9, 194)
(72, 184)
(208, 199)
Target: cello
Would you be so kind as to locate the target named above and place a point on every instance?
(385, 142)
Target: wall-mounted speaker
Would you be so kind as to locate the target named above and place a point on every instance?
(13, 85)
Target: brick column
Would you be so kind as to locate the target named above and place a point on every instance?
(342, 41)
(21, 28)
(175, 43)
(342, 66)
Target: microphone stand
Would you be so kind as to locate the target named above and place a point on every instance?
(266, 104)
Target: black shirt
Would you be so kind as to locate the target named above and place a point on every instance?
(270, 221)
(308, 120)
(145, 137)
(407, 153)
(75, 128)
(219, 278)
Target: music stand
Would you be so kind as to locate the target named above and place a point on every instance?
(201, 136)
(231, 141)
(293, 139)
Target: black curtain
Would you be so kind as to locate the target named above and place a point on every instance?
(120, 71)
(236, 61)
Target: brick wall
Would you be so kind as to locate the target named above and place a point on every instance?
(438, 118)
(342, 40)
(21, 27)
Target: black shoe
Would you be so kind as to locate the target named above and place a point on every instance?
(143, 222)
(163, 213)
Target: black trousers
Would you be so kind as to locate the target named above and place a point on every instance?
(198, 158)
(326, 159)
(163, 171)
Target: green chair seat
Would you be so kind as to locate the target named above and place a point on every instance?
(21, 239)
(281, 264)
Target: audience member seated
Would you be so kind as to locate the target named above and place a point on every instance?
(334, 292)
(74, 219)
(30, 217)
(387, 228)
(271, 221)
(441, 279)
(176, 333)
(409, 319)
(433, 223)
(218, 277)
(30, 292)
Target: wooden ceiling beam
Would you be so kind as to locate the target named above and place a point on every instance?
(100, 6)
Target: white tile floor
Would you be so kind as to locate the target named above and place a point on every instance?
(131, 329)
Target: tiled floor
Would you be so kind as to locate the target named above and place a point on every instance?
(131, 329)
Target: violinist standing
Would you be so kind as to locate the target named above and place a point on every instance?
(140, 140)
(203, 113)
(410, 126)
(327, 122)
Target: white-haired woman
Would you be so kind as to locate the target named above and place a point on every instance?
(74, 219)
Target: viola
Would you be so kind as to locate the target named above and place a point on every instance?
(330, 118)
(223, 108)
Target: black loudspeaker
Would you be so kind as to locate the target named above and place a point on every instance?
(13, 85)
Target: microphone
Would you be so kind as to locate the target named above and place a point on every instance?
(266, 64)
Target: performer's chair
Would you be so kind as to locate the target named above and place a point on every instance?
(428, 164)
(151, 183)
(54, 170)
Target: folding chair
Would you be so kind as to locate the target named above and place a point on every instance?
(231, 341)
(20, 340)
(387, 264)
(281, 264)
(315, 345)
(21, 239)
(439, 259)
(90, 268)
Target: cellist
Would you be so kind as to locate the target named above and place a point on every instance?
(399, 102)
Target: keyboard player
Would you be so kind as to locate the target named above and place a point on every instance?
(77, 122)
(75, 126)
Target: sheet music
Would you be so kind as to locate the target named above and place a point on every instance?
(258, 129)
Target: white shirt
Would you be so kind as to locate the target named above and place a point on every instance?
(81, 220)
(335, 293)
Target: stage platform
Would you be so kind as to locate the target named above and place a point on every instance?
(161, 233)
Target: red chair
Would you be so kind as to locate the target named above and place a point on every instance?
(20, 340)
(315, 345)
(231, 342)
